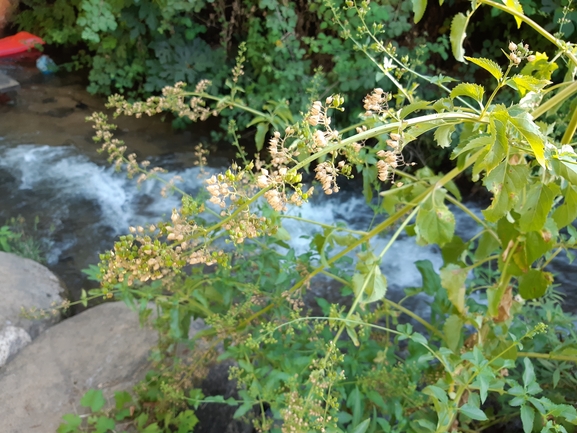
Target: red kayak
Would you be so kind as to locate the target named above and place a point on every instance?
(18, 43)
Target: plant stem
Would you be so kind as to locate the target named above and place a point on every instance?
(550, 356)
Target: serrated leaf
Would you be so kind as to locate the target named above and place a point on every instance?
(567, 212)
(523, 123)
(415, 106)
(121, 398)
(484, 382)
(472, 143)
(473, 412)
(536, 207)
(516, 6)
(419, 7)
(93, 399)
(453, 280)
(540, 67)
(435, 222)
(489, 65)
(527, 83)
(443, 104)
(443, 135)
(375, 288)
(471, 90)
(534, 283)
(458, 34)
(506, 182)
(438, 393)
(500, 148)
(104, 424)
(527, 418)
(73, 422)
(528, 373)
(419, 339)
(565, 168)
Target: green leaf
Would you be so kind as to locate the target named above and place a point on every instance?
(458, 27)
(567, 212)
(375, 288)
(152, 428)
(443, 135)
(435, 222)
(104, 424)
(452, 251)
(529, 372)
(282, 234)
(527, 418)
(83, 298)
(472, 143)
(453, 280)
(471, 90)
(566, 169)
(121, 398)
(93, 399)
(415, 106)
(452, 331)
(487, 245)
(352, 334)
(506, 182)
(419, 7)
(73, 422)
(534, 283)
(186, 421)
(419, 339)
(261, 130)
(473, 412)
(516, 6)
(500, 146)
(523, 123)
(527, 83)
(362, 427)
(431, 280)
(489, 65)
(536, 207)
(439, 394)
(244, 408)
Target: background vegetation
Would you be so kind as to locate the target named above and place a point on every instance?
(483, 357)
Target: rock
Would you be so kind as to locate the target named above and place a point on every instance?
(101, 348)
(12, 340)
(218, 418)
(29, 285)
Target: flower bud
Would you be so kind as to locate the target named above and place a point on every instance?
(531, 58)
(512, 46)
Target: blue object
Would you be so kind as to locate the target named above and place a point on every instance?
(46, 65)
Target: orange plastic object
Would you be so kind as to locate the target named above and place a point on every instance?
(18, 43)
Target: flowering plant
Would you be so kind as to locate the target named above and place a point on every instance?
(356, 365)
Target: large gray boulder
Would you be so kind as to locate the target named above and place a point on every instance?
(25, 285)
(101, 348)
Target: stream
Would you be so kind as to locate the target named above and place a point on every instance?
(50, 170)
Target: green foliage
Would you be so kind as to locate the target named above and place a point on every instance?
(362, 362)
(15, 238)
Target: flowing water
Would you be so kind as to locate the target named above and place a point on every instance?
(49, 168)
